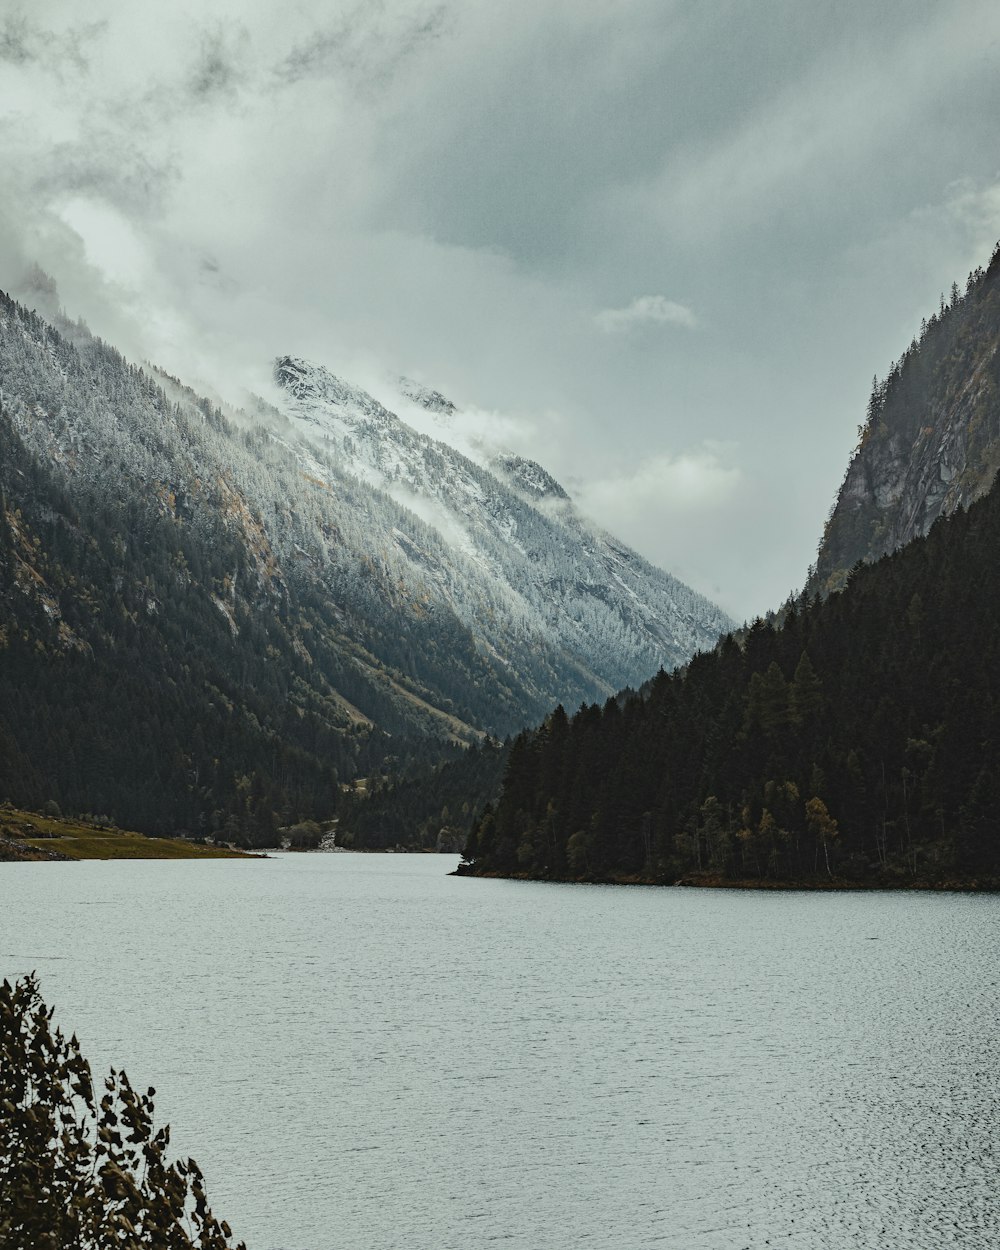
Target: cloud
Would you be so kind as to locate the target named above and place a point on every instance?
(974, 209)
(24, 43)
(645, 310)
(691, 482)
(689, 513)
(365, 45)
(220, 67)
(842, 109)
(18, 42)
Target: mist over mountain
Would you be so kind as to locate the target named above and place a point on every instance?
(519, 560)
(211, 621)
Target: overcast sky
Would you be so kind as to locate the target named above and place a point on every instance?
(662, 245)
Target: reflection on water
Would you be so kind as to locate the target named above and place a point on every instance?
(364, 1052)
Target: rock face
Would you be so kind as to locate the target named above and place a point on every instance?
(931, 441)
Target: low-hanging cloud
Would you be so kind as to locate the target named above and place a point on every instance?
(25, 42)
(17, 40)
(684, 484)
(645, 310)
(676, 510)
(366, 45)
(220, 70)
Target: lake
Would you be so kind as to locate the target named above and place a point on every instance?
(364, 1052)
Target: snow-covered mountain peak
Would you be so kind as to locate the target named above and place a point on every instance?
(431, 400)
(529, 477)
(313, 385)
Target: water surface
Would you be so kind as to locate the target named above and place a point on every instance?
(363, 1052)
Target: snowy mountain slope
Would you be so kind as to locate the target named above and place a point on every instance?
(379, 643)
(522, 560)
(420, 593)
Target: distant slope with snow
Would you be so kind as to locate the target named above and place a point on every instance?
(524, 567)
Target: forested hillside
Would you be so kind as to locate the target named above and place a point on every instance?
(187, 641)
(126, 691)
(432, 809)
(859, 741)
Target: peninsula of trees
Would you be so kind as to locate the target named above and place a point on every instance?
(857, 742)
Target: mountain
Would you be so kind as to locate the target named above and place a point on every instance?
(210, 621)
(931, 440)
(517, 563)
(855, 739)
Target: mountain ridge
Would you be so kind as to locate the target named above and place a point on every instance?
(255, 585)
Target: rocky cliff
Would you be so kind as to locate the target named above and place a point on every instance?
(931, 440)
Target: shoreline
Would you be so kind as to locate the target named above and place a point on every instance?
(707, 881)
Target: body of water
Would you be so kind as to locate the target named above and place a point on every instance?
(363, 1052)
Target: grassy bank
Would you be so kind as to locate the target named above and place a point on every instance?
(28, 836)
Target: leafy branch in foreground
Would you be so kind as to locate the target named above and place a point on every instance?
(78, 1172)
